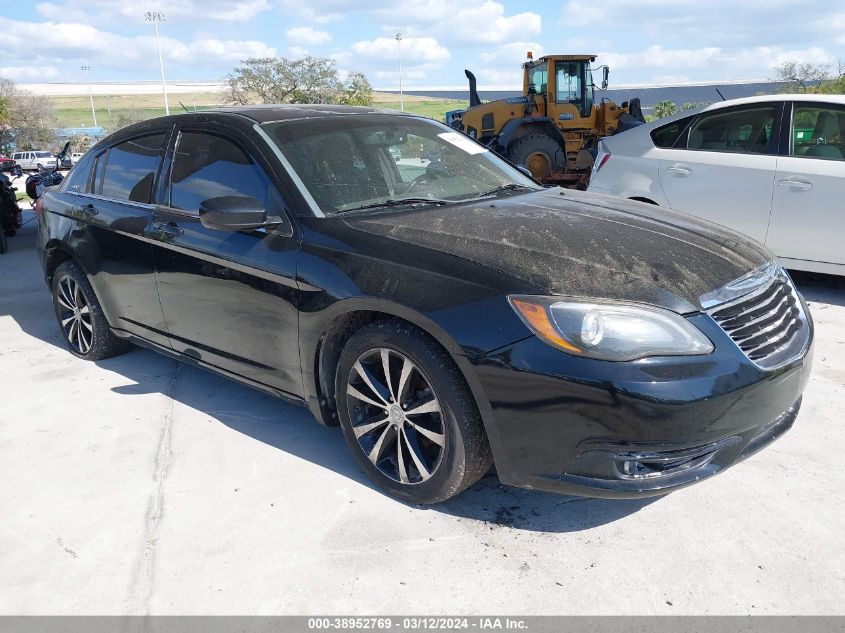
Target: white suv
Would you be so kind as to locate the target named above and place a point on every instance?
(772, 167)
(35, 160)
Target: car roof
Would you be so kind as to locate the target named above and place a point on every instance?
(285, 112)
(838, 99)
(250, 114)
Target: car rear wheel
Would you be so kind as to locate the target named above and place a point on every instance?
(80, 316)
(408, 415)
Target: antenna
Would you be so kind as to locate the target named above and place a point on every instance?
(719, 92)
(183, 106)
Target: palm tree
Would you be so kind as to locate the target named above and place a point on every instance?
(664, 109)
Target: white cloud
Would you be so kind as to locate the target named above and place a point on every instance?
(295, 52)
(307, 35)
(193, 10)
(71, 41)
(745, 63)
(472, 21)
(421, 49)
(29, 73)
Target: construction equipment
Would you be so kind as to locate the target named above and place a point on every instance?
(553, 128)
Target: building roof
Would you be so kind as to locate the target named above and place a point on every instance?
(698, 94)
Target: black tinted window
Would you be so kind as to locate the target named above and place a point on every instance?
(667, 135)
(77, 180)
(208, 166)
(743, 130)
(130, 169)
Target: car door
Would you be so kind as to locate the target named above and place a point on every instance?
(808, 206)
(114, 207)
(722, 167)
(229, 297)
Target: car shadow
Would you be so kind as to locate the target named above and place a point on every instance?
(292, 429)
(284, 426)
(820, 288)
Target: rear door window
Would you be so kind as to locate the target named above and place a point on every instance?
(818, 131)
(130, 169)
(746, 130)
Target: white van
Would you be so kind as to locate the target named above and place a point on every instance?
(34, 160)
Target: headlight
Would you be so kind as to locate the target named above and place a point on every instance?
(609, 330)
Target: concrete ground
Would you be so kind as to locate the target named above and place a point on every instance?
(138, 485)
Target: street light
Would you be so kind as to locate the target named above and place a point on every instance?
(155, 17)
(398, 38)
(87, 70)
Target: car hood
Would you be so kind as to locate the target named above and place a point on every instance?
(565, 242)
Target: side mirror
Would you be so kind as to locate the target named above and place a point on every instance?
(605, 75)
(232, 213)
(525, 171)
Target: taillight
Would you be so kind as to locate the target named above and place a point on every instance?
(602, 161)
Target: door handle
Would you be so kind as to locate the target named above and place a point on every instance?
(168, 229)
(88, 210)
(802, 185)
(679, 170)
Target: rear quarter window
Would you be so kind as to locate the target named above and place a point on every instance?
(667, 135)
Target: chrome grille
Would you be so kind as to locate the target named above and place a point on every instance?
(768, 324)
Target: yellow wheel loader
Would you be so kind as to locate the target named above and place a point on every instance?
(553, 128)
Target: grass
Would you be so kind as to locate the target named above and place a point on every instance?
(75, 111)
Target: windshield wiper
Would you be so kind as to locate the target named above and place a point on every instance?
(509, 187)
(397, 202)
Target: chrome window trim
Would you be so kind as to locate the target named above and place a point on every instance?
(132, 203)
(297, 181)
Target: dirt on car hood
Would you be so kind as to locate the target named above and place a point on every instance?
(564, 242)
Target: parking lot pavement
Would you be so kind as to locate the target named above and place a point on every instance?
(138, 485)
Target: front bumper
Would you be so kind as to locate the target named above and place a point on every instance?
(578, 426)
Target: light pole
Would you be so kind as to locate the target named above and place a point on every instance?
(398, 38)
(87, 70)
(155, 17)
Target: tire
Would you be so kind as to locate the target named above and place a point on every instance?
(539, 153)
(423, 457)
(39, 167)
(81, 319)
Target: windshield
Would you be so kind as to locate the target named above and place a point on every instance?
(43, 154)
(350, 162)
(538, 78)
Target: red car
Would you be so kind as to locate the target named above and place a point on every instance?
(6, 164)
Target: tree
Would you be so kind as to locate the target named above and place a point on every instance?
(128, 117)
(664, 109)
(357, 91)
(27, 121)
(304, 80)
(812, 78)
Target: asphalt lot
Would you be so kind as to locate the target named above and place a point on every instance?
(139, 485)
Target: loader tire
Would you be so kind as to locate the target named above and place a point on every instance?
(539, 153)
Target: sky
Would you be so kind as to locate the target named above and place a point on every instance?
(643, 41)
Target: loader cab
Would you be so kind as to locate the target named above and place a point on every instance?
(562, 81)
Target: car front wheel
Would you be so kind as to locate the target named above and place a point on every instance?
(81, 319)
(408, 415)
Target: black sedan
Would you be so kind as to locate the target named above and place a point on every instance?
(448, 312)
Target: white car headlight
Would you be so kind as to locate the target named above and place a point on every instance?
(609, 330)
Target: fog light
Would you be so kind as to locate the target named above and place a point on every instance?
(629, 467)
